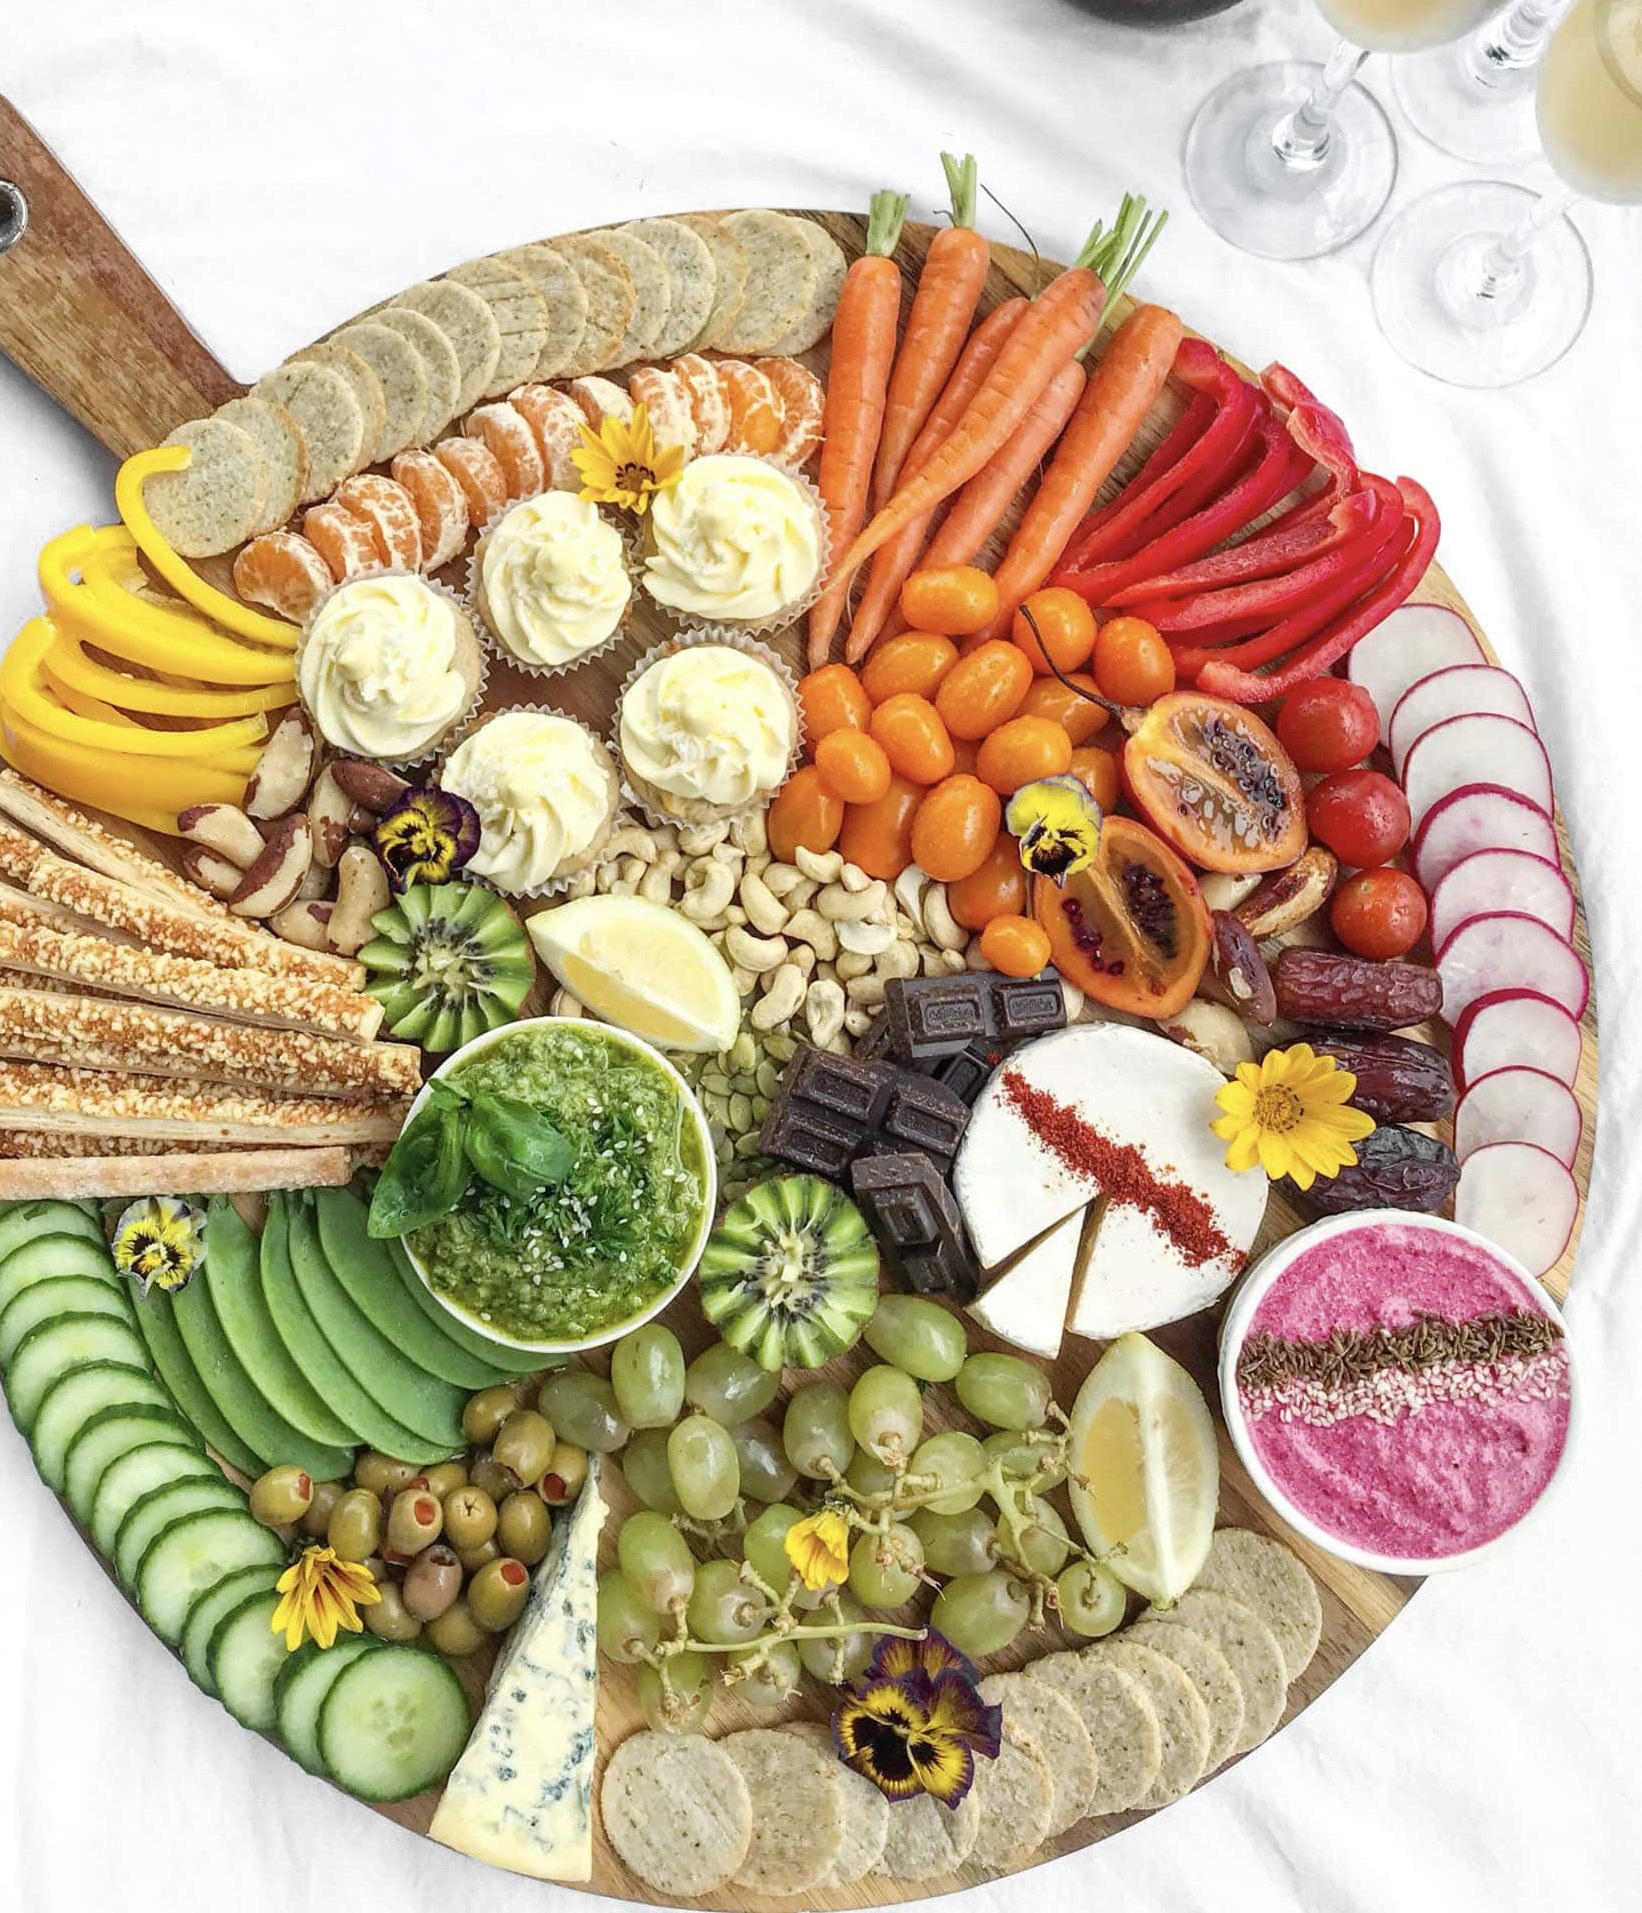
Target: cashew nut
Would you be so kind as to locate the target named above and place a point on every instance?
(822, 865)
(900, 959)
(839, 905)
(805, 958)
(783, 992)
(809, 926)
(754, 953)
(866, 992)
(708, 888)
(765, 911)
(945, 931)
(824, 1012)
(782, 879)
(1072, 997)
(857, 1022)
(866, 939)
(972, 959)
(657, 882)
(852, 964)
(698, 840)
(802, 893)
(564, 1004)
(909, 892)
(744, 980)
(583, 884)
(853, 877)
(631, 841)
(748, 833)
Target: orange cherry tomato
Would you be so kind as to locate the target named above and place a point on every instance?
(914, 738)
(833, 699)
(983, 690)
(1132, 663)
(1021, 751)
(956, 825)
(1015, 946)
(877, 837)
(956, 599)
(804, 813)
(1077, 717)
(853, 766)
(1065, 626)
(964, 753)
(913, 661)
(1097, 771)
(997, 888)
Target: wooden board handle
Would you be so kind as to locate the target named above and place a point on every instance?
(80, 315)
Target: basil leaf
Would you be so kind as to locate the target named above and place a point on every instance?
(513, 1148)
(424, 1175)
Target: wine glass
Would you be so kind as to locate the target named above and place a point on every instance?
(1293, 159)
(1474, 98)
(1484, 284)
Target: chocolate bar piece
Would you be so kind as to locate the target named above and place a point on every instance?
(931, 1016)
(966, 1072)
(830, 1109)
(913, 1214)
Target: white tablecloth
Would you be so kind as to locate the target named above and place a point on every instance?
(277, 168)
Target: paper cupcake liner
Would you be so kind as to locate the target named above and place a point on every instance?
(688, 639)
(584, 859)
(501, 649)
(440, 738)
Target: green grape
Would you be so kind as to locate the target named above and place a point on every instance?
(706, 1475)
(777, 1678)
(685, 1709)
(919, 1336)
(764, 1544)
(886, 1412)
(1004, 1391)
(582, 1408)
(647, 1374)
(1092, 1599)
(816, 1430)
(729, 1386)
(626, 1624)
(724, 1608)
(980, 1613)
(884, 1569)
(840, 1657)
(656, 1560)
(1022, 1456)
(1043, 1545)
(957, 1543)
(867, 1475)
(766, 1473)
(644, 1464)
(952, 1456)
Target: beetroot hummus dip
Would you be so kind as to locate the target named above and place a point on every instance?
(1405, 1389)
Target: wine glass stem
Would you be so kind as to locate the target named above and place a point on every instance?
(1301, 137)
(1500, 268)
(1510, 44)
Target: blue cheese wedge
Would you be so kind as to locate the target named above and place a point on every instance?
(521, 1796)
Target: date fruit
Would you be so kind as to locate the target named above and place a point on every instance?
(1237, 975)
(1347, 992)
(1396, 1169)
(1398, 1080)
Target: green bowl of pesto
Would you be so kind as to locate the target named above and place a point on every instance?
(609, 1247)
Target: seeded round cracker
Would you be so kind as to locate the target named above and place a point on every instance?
(1042, 1719)
(866, 1811)
(440, 366)
(781, 281)
(1182, 1719)
(830, 266)
(470, 325)
(652, 294)
(730, 276)
(1121, 1721)
(926, 1839)
(521, 317)
(219, 500)
(284, 456)
(362, 381)
(798, 1810)
(327, 415)
(691, 276)
(612, 299)
(677, 1812)
(1276, 1584)
(564, 298)
(1016, 1794)
(1253, 1651)
(403, 377)
(1209, 1672)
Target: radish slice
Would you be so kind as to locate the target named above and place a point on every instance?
(1508, 951)
(1518, 1105)
(1479, 817)
(1478, 689)
(1493, 880)
(1506, 1028)
(1521, 1197)
(1472, 750)
(1410, 644)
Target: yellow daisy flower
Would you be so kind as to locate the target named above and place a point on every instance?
(1291, 1115)
(622, 465)
(319, 1594)
(819, 1548)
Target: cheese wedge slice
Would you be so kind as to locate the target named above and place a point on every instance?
(1027, 1304)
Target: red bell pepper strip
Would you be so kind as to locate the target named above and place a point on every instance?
(1284, 389)
(1199, 491)
(1187, 430)
(1331, 644)
(1268, 554)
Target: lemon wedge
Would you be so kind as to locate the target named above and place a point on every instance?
(642, 967)
(1143, 1441)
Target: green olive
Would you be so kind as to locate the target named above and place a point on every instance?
(524, 1445)
(488, 1473)
(445, 1477)
(378, 1568)
(415, 1520)
(562, 1481)
(389, 1619)
(497, 1594)
(281, 1496)
(355, 1527)
(473, 1559)
(381, 1473)
(470, 1517)
(432, 1581)
(486, 1412)
(456, 1632)
(318, 1518)
(523, 1528)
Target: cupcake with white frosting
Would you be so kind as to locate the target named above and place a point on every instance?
(549, 580)
(737, 543)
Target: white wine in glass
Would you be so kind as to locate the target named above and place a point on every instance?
(1404, 26)
(1475, 97)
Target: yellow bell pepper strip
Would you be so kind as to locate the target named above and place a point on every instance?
(240, 761)
(68, 668)
(176, 571)
(145, 791)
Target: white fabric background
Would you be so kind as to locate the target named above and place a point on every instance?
(278, 169)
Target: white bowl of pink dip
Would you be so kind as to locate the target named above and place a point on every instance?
(1400, 1390)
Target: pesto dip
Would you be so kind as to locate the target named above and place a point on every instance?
(599, 1247)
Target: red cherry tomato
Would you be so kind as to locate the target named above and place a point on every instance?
(1133, 665)
(1361, 815)
(1328, 724)
(1056, 620)
(1378, 913)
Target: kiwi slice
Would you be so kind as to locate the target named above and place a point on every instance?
(790, 1275)
(448, 962)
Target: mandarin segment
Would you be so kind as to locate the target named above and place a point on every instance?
(342, 540)
(709, 404)
(755, 408)
(557, 422)
(598, 399)
(282, 572)
(507, 434)
(478, 471)
(664, 396)
(803, 402)
(387, 508)
(439, 502)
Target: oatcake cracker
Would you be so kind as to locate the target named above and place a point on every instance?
(469, 324)
(520, 311)
(612, 299)
(677, 1812)
(1209, 1672)
(1275, 1583)
(730, 276)
(798, 1810)
(440, 366)
(692, 278)
(221, 498)
(781, 279)
(1121, 1721)
(284, 456)
(1250, 1647)
(1041, 1718)
(927, 1839)
(402, 376)
(831, 265)
(1182, 1719)
(564, 299)
(1016, 1793)
(866, 1811)
(365, 385)
(327, 415)
(652, 294)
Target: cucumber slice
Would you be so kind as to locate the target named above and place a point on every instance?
(508, 1361)
(157, 1325)
(245, 1658)
(234, 1278)
(299, 1693)
(50, 1350)
(318, 1360)
(195, 1553)
(393, 1724)
(22, 1221)
(61, 1295)
(163, 1507)
(207, 1608)
(73, 1399)
(432, 1409)
(133, 1478)
(233, 1391)
(52, 1258)
(108, 1434)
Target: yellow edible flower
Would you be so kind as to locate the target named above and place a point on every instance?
(622, 465)
(819, 1548)
(318, 1594)
(1291, 1115)
(161, 1241)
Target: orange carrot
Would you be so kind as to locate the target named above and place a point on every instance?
(863, 350)
(1119, 394)
(949, 288)
(893, 563)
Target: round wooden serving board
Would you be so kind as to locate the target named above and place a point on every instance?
(80, 315)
